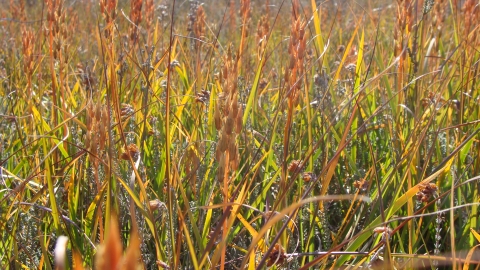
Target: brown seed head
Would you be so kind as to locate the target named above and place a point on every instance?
(277, 256)
(295, 166)
(131, 151)
(308, 176)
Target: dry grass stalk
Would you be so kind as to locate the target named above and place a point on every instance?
(109, 12)
(87, 77)
(438, 23)
(192, 19)
(263, 28)
(439, 15)
(293, 72)
(401, 33)
(296, 50)
(149, 17)
(136, 18)
(28, 49)
(56, 28)
(246, 14)
(199, 28)
(232, 16)
(227, 116)
(471, 12)
(17, 9)
(96, 137)
(403, 26)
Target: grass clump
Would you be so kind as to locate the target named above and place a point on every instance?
(239, 134)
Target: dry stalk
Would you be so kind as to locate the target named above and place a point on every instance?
(228, 117)
(439, 15)
(56, 28)
(136, 18)
(96, 138)
(57, 34)
(293, 73)
(263, 28)
(246, 14)
(438, 22)
(28, 49)
(199, 28)
(228, 122)
(17, 9)
(87, 77)
(109, 12)
(471, 13)
(149, 16)
(296, 51)
(232, 16)
(403, 26)
(402, 29)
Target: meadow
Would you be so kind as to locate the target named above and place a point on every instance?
(239, 134)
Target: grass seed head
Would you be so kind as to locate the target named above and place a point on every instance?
(295, 166)
(308, 176)
(239, 121)
(277, 256)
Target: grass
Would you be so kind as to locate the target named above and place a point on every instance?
(239, 134)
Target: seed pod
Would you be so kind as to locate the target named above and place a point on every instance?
(87, 140)
(217, 117)
(301, 50)
(155, 204)
(222, 144)
(218, 153)
(105, 117)
(103, 138)
(235, 106)
(308, 176)
(232, 149)
(93, 145)
(302, 32)
(229, 123)
(225, 72)
(221, 168)
(292, 62)
(239, 121)
(234, 164)
(294, 166)
(98, 112)
(90, 110)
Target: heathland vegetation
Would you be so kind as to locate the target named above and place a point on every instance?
(239, 134)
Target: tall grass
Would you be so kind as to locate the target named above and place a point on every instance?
(239, 134)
